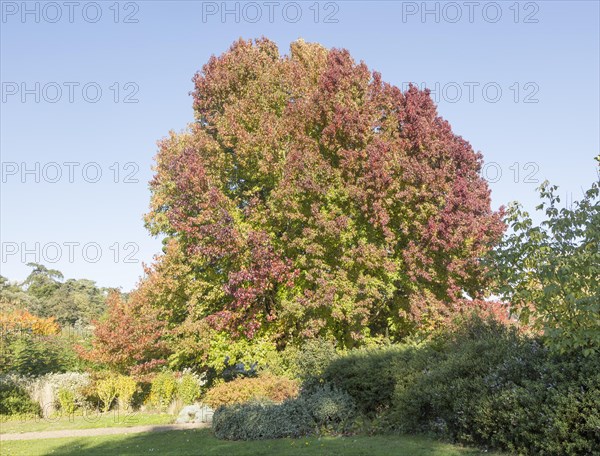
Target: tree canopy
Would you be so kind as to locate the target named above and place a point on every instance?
(44, 294)
(311, 198)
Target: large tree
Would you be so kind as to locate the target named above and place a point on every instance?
(311, 198)
(76, 301)
(42, 282)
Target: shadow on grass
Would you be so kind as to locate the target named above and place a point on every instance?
(202, 442)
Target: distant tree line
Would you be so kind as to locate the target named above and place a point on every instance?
(45, 293)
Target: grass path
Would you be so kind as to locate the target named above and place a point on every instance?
(201, 442)
(97, 431)
(98, 420)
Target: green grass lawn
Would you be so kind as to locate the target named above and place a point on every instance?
(202, 442)
(110, 419)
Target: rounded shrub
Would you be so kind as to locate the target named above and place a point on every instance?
(256, 421)
(125, 388)
(106, 389)
(66, 399)
(320, 409)
(332, 410)
(367, 375)
(267, 387)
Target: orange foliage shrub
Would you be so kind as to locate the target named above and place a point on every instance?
(21, 321)
(267, 386)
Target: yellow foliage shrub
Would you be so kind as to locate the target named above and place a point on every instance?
(23, 321)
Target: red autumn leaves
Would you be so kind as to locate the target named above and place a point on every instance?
(311, 198)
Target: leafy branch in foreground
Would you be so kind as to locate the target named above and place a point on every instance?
(550, 272)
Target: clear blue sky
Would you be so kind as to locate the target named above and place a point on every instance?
(546, 53)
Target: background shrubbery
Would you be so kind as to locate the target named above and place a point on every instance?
(70, 392)
(34, 355)
(480, 382)
(14, 398)
(489, 386)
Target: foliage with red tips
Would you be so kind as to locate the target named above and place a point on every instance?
(312, 198)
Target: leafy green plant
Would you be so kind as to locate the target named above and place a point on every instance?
(125, 388)
(441, 396)
(15, 400)
(162, 392)
(550, 273)
(310, 360)
(106, 389)
(36, 355)
(66, 399)
(332, 410)
(486, 384)
(188, 389)
(367, 375)
(553, 409)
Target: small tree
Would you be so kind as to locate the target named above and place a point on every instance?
(550, 273)
(188, 389)
(106, 389)
(129, 338)
(126, 388)
(164, 387)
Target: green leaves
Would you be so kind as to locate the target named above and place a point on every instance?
(551, 272)
(313, 199)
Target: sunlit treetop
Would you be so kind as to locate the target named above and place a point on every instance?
(310, 197)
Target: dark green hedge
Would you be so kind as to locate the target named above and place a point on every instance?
(481, 384)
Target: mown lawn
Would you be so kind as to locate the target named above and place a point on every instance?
(110, 419)
(202, 442)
